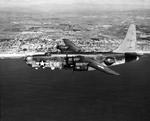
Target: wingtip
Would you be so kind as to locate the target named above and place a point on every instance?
(114, 73)
(117, 74)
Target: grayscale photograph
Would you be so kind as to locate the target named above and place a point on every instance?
(74, 60)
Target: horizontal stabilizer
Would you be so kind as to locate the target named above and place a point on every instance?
(103, 68)
(99, 66)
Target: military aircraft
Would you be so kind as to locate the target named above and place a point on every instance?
(72, 57)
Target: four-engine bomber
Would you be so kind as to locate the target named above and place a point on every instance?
(77, 62)
(72, 57)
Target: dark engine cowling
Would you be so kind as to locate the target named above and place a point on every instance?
(109, 61)
(80, 67)
(75, 64)
(131, 57)
(71, 60)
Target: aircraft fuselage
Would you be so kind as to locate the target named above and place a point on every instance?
(74, 62)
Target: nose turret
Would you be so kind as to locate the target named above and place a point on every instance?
(29, 58)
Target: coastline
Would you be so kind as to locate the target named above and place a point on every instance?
(18, 55)
(21, 55)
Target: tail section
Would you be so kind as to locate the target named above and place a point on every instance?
(129, 43)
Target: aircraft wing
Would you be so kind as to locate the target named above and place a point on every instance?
(99, 66)
(71, 46)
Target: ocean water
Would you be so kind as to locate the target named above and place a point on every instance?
(44, 95)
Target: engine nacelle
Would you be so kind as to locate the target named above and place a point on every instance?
(109, 61)
(75, 64)
(70, 61)
(80, 67)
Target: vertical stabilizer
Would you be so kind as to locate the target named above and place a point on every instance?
(129, 43)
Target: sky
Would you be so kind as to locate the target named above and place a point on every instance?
(23, 3)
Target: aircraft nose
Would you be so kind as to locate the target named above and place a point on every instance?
(137, 58)
(29, 58)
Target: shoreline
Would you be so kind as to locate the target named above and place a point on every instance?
(19, 55)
